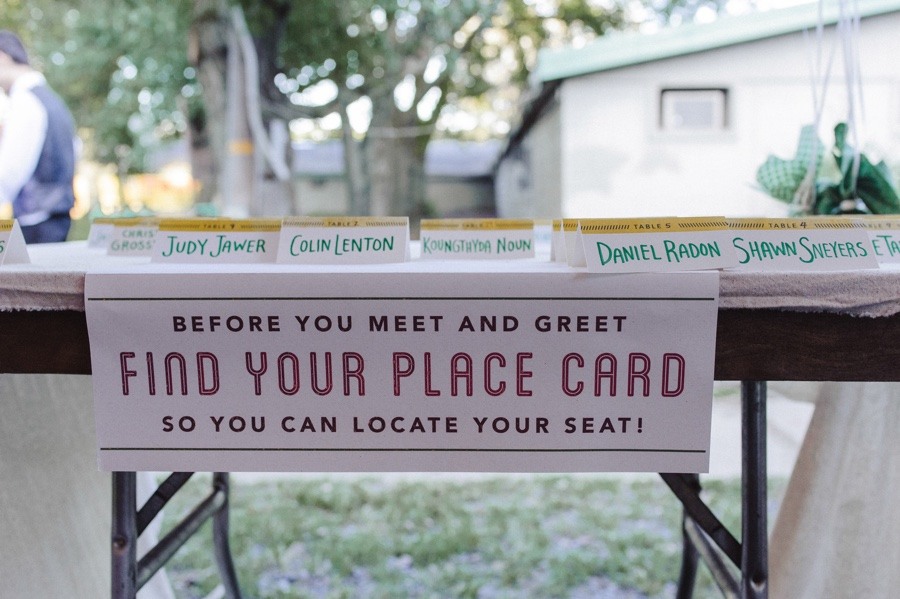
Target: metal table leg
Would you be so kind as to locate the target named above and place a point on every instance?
(128, 573)
(124, 535)
(704, 535)
(754, 533)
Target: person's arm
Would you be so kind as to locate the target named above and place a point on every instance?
(24, 131)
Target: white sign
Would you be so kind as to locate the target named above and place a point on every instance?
(217, 241)
(809, 244)
(413, 371)
(476, 239)
(12, 244)
(656, 244)
(344, 240)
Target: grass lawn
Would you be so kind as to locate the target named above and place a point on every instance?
(494, 537)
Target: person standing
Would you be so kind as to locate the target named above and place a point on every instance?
(37, 148)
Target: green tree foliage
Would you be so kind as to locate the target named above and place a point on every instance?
(409, 60)
(418, 65)
(120, 64)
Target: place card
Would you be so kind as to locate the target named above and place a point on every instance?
(884, 235)
(656, 244)
(557, 242)
(476, 238)
(217, 240)
(133, 236)
(344, 240)
(101, 232)
(801, 244)
(12, 244)
(572, 241)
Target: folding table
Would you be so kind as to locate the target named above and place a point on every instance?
(783, 326)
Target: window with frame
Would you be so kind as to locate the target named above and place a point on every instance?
(693, 109)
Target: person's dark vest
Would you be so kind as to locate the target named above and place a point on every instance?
(50, 187)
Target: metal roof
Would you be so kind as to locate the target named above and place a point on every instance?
(618, 50)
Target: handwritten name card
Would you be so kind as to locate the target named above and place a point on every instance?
(656, 244)
(344, 240)
(884, 235)
(476, 238)
(101, 232)
(217, 240)
(133, 237)
(803, 244)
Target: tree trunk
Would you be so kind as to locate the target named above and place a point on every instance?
(354, 167)
(208, 52)
(238, 198)
(275, 197)
(396, 157)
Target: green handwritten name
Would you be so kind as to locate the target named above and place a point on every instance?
(803, 249)
(888, 243)
(339, 246)
(673, 252)
(223, 245)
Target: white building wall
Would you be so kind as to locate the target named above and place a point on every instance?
(528, 180)
(615, 161)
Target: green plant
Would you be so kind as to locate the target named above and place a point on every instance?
(862, 187)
